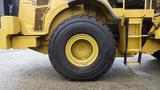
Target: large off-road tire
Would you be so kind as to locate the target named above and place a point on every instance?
(156, 55)
(82, 48)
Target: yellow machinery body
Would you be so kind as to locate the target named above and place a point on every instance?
(37, 19)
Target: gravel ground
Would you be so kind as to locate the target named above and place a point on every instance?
(29, 70)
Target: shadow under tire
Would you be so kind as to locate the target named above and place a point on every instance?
(78, 25)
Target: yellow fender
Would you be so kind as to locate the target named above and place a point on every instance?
(63, 5)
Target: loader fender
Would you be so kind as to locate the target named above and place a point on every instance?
(103, 3)
(53, 13)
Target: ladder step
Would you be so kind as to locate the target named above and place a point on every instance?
(133, 50)
(133, 36)
(133, 63)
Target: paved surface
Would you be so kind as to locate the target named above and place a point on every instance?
(29, 70)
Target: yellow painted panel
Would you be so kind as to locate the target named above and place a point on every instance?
(157, 34)
(151, 46)
(25, 41)
(9, 26)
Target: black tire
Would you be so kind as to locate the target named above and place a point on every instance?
(157, 55)
(86, 25)
(14, 7)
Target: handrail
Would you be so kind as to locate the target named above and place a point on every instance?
(151, 1)
(146, 3)
(124, 3)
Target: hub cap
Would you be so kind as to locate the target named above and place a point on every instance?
(82, 50)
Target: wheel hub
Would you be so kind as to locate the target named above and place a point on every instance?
(82, 50)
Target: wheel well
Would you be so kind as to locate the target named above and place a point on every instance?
(98, 4)
(77, 10)
(104, 13)
(81, 10)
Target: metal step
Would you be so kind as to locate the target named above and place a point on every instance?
(138, 62)
(133, 63)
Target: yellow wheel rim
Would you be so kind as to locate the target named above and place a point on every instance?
(82, 50)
